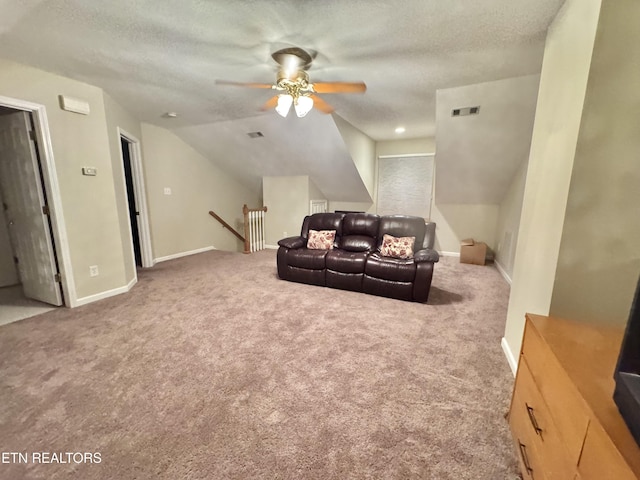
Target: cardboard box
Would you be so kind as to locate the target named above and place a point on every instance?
(473, 252)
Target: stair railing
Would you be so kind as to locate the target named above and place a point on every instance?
(253, 238)
(226, 225)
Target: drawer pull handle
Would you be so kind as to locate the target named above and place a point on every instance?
(525, 458)
(532, 419)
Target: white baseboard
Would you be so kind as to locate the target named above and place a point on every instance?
(183, 254)
(450, 254)
(271, 247)
(109, 293)
(502, 271)
(509, 354)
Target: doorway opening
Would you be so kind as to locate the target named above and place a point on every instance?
(131, 199)
(136, 199)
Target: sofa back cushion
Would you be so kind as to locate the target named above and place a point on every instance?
(402, 226)
(359, 232)
(322, 221)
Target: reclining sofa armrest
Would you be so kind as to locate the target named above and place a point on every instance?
(292, 242)
(426, 255)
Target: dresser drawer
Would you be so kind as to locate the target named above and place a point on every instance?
(529, 458)
(543, 432)
(564, 405)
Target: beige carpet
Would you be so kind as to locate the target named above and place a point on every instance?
(212, 368)
(15, 306)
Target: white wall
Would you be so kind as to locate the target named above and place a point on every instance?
(478, 155)
(454, 222)
(599, 258)
(563, 82)
(457, 222)
(509, 221)
(180, 222)
(314, 193)
(287, 199)
(116, 116)
(367, 207)
(406, 146)
(362, 150)
(89, 203)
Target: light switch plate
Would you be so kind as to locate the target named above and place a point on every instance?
(90, 171)
(167, 190)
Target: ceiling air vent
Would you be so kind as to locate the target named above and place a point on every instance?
(462, 112)
(255, 134)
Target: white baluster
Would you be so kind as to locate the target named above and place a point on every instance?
(253, 232)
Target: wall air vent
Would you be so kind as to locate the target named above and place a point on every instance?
(255, 134)
(462, 112)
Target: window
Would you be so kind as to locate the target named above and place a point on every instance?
(405, 185)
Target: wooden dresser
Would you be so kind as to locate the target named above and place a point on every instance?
(564, 422)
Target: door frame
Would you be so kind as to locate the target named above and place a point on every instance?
(141, 197)
(52, 189)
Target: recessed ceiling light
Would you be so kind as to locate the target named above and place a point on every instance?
(170, 115)
(400, 130)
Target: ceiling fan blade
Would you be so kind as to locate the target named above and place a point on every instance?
(244, 84)
(321, 105)
(271, 103)
(339, 87)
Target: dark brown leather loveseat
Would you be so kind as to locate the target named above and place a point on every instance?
(358, 258)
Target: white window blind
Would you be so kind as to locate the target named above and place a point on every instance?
(405, 185)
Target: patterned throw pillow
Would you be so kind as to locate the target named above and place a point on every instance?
(401, 247)
(321, 239)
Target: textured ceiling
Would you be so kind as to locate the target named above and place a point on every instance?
(156, 56)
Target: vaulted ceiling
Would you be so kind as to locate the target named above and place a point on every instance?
(155, 56)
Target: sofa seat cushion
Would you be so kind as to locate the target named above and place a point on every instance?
(305, 258)
(388, 288)
(344, 281)
(386, 268)
(346, 262)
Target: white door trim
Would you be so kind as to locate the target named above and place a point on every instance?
(45, 149)
(141, 198)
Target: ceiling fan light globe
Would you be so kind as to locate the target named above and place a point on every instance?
(303, 105)
(284, 104)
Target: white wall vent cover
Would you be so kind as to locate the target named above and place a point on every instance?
(462, 112)
(74, 105)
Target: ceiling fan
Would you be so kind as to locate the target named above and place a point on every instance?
(296, 89)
